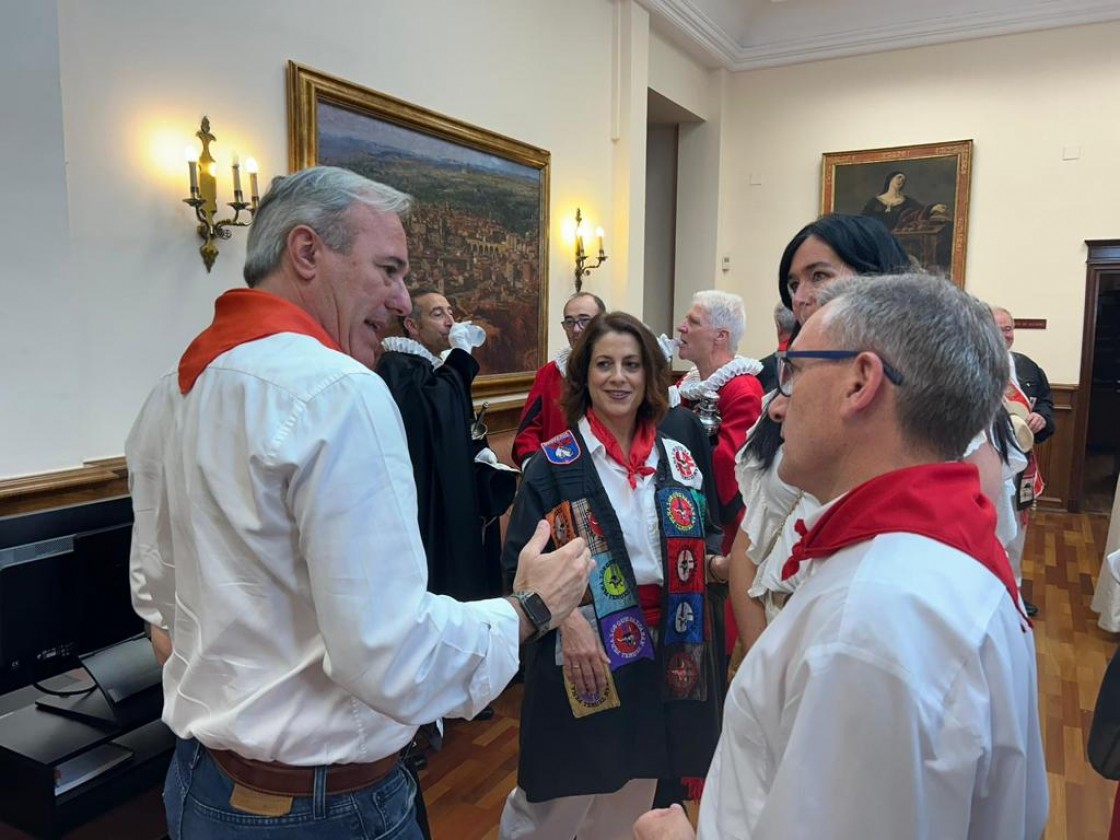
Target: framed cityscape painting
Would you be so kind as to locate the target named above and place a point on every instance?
(479, 231)
(919, 192)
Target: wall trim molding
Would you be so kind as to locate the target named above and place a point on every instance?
(727, 51)
(99, 478)
(105, 478)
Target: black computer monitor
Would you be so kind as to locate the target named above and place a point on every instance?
(64, 588)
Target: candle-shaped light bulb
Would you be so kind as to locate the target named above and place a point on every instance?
(236, 177)
(191, 154)
(251, 166)
(599, 236)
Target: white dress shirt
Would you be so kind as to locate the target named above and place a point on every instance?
(895, 696)
(276, 538)
(636, 508)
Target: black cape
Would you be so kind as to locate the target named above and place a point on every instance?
(561, 755)
(458, 501)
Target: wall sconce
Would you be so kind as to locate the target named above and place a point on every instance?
(204, 195)
(582, 269)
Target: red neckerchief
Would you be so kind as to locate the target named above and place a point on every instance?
(940, 501)
(241, 316)
(640, 447)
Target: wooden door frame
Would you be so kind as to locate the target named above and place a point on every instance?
(1103, 254)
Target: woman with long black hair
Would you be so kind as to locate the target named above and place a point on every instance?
(833, 247)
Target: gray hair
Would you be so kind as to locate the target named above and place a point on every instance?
(784, 319)
(941, 340)
(318, 197)
(725, 312)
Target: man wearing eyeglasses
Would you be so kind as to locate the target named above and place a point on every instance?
(896, 693)
(541, 419)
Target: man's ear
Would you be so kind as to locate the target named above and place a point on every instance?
(411, 328)
(723, 336)
(305, 250)
(865, 382)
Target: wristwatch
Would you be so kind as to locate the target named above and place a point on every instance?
(537, 611)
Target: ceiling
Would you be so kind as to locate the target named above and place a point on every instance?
(748, 34)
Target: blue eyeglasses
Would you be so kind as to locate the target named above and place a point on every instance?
(786, 369)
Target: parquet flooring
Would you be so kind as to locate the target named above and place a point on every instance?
(1060, 567)
(466, 783)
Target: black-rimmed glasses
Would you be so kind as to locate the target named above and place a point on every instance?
(786, 368)
(571, 323)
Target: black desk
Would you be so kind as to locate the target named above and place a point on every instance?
(33, 742)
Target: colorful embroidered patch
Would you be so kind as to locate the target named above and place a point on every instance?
(686, 620)
(626, 637)
(686, 564)
(684, 467)
(562, 449)
(679, 513)
(684, 674)
(583, 705)
(587, 526)
(560, 520)
(610, 589)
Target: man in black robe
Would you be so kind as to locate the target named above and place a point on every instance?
(459, 499)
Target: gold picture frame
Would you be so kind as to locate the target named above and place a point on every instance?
(934, 229)
(479, 232)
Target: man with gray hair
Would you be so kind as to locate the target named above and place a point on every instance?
(709, 336)
(896, 694)
(276, 542)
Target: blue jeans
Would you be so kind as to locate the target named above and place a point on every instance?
(196, 796)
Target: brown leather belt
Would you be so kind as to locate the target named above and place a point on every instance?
(286, 780)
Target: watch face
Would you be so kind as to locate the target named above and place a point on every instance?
(536, 609)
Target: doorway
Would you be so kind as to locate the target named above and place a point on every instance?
(1099, 390)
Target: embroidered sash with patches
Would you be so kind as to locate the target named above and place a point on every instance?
(685, 627)
(622, 629)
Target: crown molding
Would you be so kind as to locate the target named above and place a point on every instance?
(712, 40)
(721, 46)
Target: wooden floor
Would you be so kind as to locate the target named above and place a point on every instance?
(466, 783)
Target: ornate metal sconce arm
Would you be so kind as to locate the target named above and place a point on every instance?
(204, 199)
(582, 268)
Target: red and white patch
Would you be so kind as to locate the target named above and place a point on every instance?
(684, 467)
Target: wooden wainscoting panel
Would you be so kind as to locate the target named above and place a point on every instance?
(103, 478)
(1055, 457)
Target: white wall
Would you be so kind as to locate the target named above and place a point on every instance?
(82, 346)
(1021, 98)
(678, 77)
(43, 331)
(105, 286)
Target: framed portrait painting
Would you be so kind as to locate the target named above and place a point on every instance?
(479, 230)
(919, 192)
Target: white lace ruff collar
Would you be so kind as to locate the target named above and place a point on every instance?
(562, 361)
(400, 344)
(692, 387)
